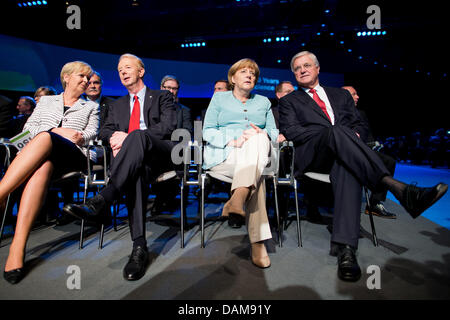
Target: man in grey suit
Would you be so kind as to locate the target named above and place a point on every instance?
(138, 128)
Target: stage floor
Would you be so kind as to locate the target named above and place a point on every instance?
(413, 259)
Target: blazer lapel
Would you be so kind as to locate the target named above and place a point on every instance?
(148, 102)
(307, 100)
(334, 103)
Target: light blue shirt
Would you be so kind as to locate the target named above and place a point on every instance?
(141, 98)
(227, 117)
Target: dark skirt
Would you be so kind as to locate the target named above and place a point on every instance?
(65, 156)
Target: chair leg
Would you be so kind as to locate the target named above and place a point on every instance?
(203, 210)
(182, 213)
(299, 229)
(4, 218)
(374, 234)
(81, 234)
(102, 232)
(280, 232)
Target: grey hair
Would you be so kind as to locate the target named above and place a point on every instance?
(304, 53)
(170, 77)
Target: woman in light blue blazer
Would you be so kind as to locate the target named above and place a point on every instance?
(237, 129)
(60, 126)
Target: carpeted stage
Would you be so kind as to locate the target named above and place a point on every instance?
(413, 257)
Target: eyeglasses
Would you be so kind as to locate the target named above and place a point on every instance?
(170, 88)
(307, 66)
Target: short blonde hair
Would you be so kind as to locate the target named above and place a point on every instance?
(132, 56)
(243, 63)
(75, 66)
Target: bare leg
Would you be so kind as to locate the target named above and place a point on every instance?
(25, 163)
(31, 202)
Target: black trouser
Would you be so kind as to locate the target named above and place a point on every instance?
(351, 164)
(389, 162)
(141, 158)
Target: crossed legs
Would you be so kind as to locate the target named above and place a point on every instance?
(29, 164)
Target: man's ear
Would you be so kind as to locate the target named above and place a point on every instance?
(141, 72)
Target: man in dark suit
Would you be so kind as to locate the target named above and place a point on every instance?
(166, 191)
(377, 198)
(329, 138)
(138, 127)
(94, 93)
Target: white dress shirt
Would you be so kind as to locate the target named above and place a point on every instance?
(323, 96)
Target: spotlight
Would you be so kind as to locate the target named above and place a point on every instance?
(34, 3)
(279, 61)
(287, 38)
(264, 40)
(44, 2)
(20, 5)
(341, 42)
(383, 33)
(182, 45)
(277, 39)
(359, 34)
(203, 44)
(349, 50)
(360, 57)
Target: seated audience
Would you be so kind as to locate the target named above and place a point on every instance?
(236, 129)
(329, 136)
(60, 125)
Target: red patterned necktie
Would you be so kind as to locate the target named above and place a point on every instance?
(319, 102)
(135, 116)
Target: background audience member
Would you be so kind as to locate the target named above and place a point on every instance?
(94, 93)
(44, 91)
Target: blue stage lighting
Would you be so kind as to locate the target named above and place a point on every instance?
(303, 44)
(44, 2)
(359, 34)
(282, 38)
(331, 33)
(360, 57)
(39, 3)
(369, 33)
(29, 4)
(378, 33)
(318, 33)
(363, 33)
(24, 4)
(182, 45)
(34, 3)
(203, 44)
(287, 38)
(341, 42)
(323, 25)
(349, 50)
(383, 33)
(20, 5)
(269, 40)
(277, 39)
(264, 40)
(327, 11)
(279, 61)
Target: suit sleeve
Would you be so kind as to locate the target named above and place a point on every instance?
(109, 125)
(93, 124)
(187, 119)
(290, 125)
(168, 117)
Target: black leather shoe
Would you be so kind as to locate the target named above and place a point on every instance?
(416, 199)
(380, 211)
(135, 268)
(93, 210)
(348, 268)
(235, 220)
(14, 276)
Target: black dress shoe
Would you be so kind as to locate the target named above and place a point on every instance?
(135, 268)
(14, 276)
(235, 220)
(416, 199)
(380, 211)
(348, 268)
(93, 210)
